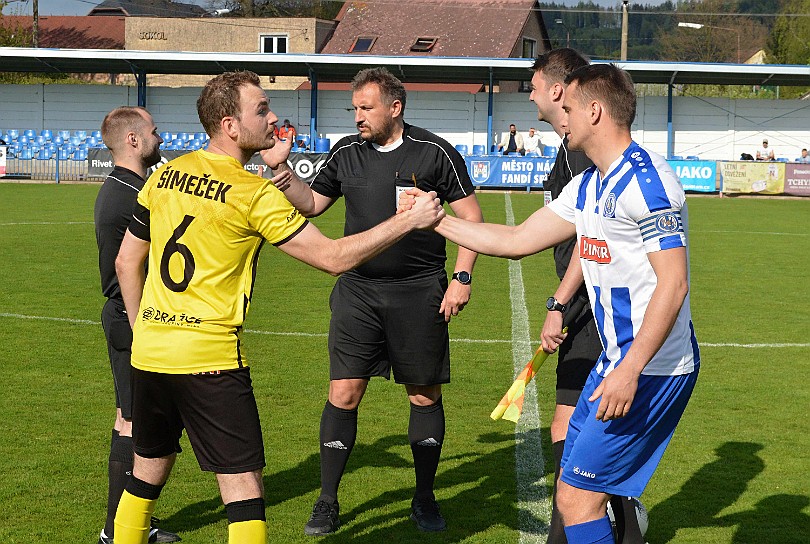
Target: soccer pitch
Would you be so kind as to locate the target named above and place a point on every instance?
(736, 471)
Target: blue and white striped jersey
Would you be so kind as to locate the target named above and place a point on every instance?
(639, 207)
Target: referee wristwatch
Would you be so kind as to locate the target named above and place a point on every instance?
(553, 305)
(463, 277)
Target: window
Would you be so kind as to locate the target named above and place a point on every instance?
(529, 48)
(273, 43)
(423, 45)
(363, 44)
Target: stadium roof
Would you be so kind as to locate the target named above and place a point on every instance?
(344, 67)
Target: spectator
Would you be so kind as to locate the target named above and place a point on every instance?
(532, 141)
(805, 158)
(765, 153)
(512, 141)
(286, 131)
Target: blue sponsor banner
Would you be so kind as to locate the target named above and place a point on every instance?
(696, 175)
(514, 172)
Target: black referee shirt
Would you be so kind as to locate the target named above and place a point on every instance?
(112, 214)
(566, 167)
(368, 179)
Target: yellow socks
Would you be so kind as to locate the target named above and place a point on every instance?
(132, 519)
(246, 532)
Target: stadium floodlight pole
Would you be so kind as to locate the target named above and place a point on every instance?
(699, 26)
(567, 32)
(624, 29)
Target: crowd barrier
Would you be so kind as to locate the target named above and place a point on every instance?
(486, 171)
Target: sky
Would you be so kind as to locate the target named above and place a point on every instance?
(64, 7)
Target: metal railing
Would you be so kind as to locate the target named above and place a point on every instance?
(56, 170)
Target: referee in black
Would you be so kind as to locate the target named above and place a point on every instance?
(390, 314)
(132, 138)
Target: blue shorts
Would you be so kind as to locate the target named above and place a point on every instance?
(619, 457)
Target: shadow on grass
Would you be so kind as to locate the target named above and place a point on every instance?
(709, 491)
(476, 493)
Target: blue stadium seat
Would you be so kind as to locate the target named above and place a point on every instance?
(23, 139)
(549, 151)
(25, 154)
(44, 154)
(30, 133)
(692, 158)
(75, 140)
(80, 155)
(62, 154)
(781, 159)
(461, 148)
(39, 139)
(479, 150)
(80, 134)
(676, 158)
(47, 134)
(200, 136)
(58, 140)
(97, 134)
(64, 134)
(166, 136)
(92, 141)
(194, 144)
(14, 133)
(184, 136)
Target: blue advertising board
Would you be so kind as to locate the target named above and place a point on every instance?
(508, 172)
(698, 176)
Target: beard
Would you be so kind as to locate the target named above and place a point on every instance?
(153, 157)
(379, 135)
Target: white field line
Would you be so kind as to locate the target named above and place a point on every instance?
(76, 321)
(534, 504)
(46, 223)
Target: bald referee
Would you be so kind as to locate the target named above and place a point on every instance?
(132, 138)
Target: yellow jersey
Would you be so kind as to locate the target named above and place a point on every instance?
(206, 218)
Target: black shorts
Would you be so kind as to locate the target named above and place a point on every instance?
(218, 412)
(577, 355)
(119, 346)
(383, 325)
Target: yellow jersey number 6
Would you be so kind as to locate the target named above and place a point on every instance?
(172, 247)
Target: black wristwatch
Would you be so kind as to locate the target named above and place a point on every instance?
(553, 305)
(463, 277)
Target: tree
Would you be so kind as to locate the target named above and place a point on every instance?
(789, 42)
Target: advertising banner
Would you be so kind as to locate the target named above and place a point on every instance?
(3, 155)
(509, 172)
(305, 165)
(797, 179)
(766, 178)
(698, 176)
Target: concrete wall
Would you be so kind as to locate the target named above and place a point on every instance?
(713, 129)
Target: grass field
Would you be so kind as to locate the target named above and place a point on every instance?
(736, 472)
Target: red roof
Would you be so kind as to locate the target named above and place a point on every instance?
(73, 32)
(468, 28)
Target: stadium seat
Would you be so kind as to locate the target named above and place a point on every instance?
(302, 140)
(80, 155)
(30, 133)
(692, 158)
(515, 154)
(781, 159)
(47, 134)
(194, 144)
(14, 133)
(81, 134)
(166, 136)
(64, 134)
(58, 140)
(549, 151)
(25, 154)
(479, 150)
(75, 140)
(676, 158)
(62, 154)
(92, 141)
(184, 136)
(461, 148)
(23, 139)
(39, 139)
(97, 134)
(44, 154)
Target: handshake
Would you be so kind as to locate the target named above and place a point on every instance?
(425, 209)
